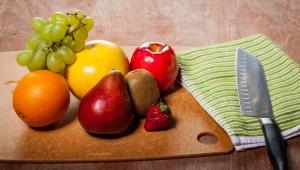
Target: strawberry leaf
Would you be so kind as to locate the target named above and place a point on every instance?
(164, 107)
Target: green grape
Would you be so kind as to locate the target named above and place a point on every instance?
(58, 17)
(57, 32)
(73, 22)
(38, 60)
(51, 20)
(79, 14)
(34, 41)
(46, 49)
(54, 63)
(27, 47)
(46, 32)
(67, 40)
(24, 57)
(79, 45)
(71, 44)
(89, 23)
(76, 46)
(62, 71)
(80, 34)
(44, 45)
(38, 23)
(66, 54)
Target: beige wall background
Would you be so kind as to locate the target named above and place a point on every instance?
(177, 22)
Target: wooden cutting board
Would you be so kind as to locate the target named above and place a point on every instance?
(194, 132)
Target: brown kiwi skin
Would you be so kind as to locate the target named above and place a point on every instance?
(143, 89)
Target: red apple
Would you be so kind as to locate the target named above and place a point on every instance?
(159, 59)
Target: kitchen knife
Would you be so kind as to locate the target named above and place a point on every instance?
(255, 101)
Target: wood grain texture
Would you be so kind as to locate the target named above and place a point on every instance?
(180, 22)
(194, 23)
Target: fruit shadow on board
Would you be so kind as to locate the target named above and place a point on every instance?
(175, 86)
(133, 126)
(70, 116)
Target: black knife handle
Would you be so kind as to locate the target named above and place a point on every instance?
(275, 145)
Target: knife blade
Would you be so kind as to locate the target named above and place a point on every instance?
(255, 101)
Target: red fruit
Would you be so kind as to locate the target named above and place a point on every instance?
(159, 59)
(157, 117)
(107, 108)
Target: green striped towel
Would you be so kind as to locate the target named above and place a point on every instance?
(208, 73)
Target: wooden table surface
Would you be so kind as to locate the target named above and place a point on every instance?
(178, 23)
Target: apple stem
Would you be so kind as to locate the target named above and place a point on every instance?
(163, 46)
(154, 48)
(157, 47)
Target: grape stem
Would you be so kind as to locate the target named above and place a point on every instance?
(53, 46)
(79, 25)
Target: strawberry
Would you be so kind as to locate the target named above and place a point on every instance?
(157, 117)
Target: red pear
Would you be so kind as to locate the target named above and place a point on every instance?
(107, 108)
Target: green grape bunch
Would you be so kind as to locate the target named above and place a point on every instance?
(55, 41)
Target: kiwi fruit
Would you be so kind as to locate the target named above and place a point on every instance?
(143, 89)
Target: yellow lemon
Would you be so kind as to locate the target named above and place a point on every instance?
(97, 59)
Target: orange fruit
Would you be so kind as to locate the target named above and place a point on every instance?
(41, 98)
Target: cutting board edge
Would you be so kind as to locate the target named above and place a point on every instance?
(118, 159)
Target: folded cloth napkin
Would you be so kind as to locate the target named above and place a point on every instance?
(208, 73)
